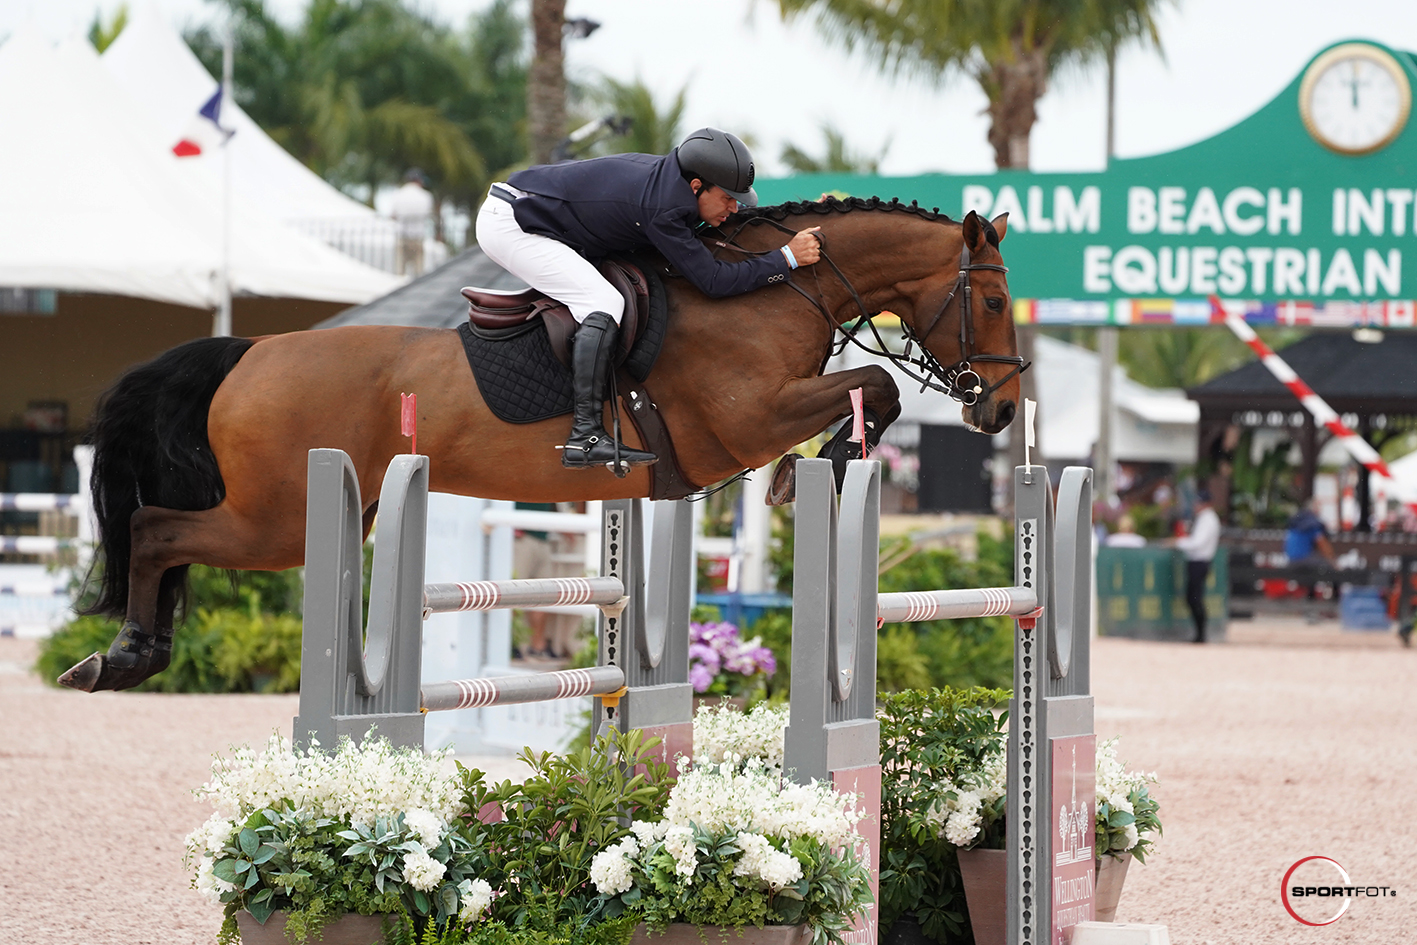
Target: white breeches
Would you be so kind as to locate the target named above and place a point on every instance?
(545, 264)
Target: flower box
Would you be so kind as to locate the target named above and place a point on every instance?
(682, 933)
(346, 930)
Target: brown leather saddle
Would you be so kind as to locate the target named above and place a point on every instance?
(492, 309)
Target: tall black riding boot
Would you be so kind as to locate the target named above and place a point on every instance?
(591, 355)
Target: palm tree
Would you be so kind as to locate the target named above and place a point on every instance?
(1010, 47)
(360, 90)
(652, 130)
(546, 83)
(102, 34)
(836, 159)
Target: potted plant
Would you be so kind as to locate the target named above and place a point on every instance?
(722, 665)
(739, 849)
(1127, 825)
(941, 754)
(346, 846)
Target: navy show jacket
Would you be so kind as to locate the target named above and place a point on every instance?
(628, 202)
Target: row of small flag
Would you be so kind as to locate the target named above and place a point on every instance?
(1334, 314)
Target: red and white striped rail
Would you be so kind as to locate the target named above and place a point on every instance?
(1354, 443)
(533, 687)
(538, 592)
(911, 606)
(39, 502)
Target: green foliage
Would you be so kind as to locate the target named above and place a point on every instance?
(653, 129)
(218, 651)
(1111, 837)
(285, 859)
(899, 663)
(1261, 491)
(362, 90)
(833, 889)
(973, 652)
(242, 635)
(774, 627)
(568, 810)
(928, 738)
(572, 932)
(102, 34)
(836, 158)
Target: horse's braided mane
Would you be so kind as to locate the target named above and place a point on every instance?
(831, 204)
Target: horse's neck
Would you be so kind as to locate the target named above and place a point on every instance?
(879, 252)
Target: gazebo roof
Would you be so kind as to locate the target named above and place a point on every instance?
(1353, 376)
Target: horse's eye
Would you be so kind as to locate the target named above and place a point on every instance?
(994, 305)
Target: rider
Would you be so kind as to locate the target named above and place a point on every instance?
(546, 222)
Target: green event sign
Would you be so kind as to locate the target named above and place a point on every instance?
(1304, 213)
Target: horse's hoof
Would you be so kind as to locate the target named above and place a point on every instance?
(783, 488)
(84, 675)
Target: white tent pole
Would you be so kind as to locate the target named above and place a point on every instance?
(222, 326)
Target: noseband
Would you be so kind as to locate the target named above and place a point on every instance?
(959, 380)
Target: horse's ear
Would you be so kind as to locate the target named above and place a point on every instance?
(973, 231)
(1001, 227)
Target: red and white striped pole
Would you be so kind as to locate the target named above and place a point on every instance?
(1357, 447)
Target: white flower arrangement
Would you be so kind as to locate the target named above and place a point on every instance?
(737, 846)
(386, 818)
(724, 733)
(1126, 819)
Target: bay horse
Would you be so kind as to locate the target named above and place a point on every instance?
(200, 454)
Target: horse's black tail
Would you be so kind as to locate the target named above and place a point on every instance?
(149, 435)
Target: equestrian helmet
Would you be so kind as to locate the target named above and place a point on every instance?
(719, 158)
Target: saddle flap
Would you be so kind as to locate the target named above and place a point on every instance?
(490, 308)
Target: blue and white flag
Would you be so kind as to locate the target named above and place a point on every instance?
(205, 131)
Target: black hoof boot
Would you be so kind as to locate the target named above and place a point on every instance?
(783, 488)
(589, 445)
(840, 450)
(133, 656)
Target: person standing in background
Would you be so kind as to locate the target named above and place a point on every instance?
(412, 210)
(1199, 547)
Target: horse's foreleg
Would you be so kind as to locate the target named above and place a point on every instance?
(164, 543)
(806, 406)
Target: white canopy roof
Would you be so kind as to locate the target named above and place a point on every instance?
(93, 200)
(162, 76)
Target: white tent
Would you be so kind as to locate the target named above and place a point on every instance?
(93, 200)
(153, 65)
(1152, 425)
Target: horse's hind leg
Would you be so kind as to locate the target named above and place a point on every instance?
(165, 542)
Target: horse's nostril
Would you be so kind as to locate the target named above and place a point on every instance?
(1005, 414)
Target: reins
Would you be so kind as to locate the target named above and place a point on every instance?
(959, 381)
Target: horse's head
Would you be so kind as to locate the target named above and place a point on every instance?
(964, 319)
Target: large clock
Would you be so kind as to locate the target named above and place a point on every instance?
(1355, 99)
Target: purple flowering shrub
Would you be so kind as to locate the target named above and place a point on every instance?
(722, 663)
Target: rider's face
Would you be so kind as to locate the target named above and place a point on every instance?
(715, 205)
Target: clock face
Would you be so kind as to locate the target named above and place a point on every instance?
(1355, 99)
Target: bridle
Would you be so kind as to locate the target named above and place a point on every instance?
(959, 380)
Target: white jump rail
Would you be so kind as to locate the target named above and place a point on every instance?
(510, 690)
(41, 502)
(33, 589)
(36, 544)
(535, 592)
(913, 606)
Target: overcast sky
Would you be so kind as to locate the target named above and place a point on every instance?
(747, 71)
